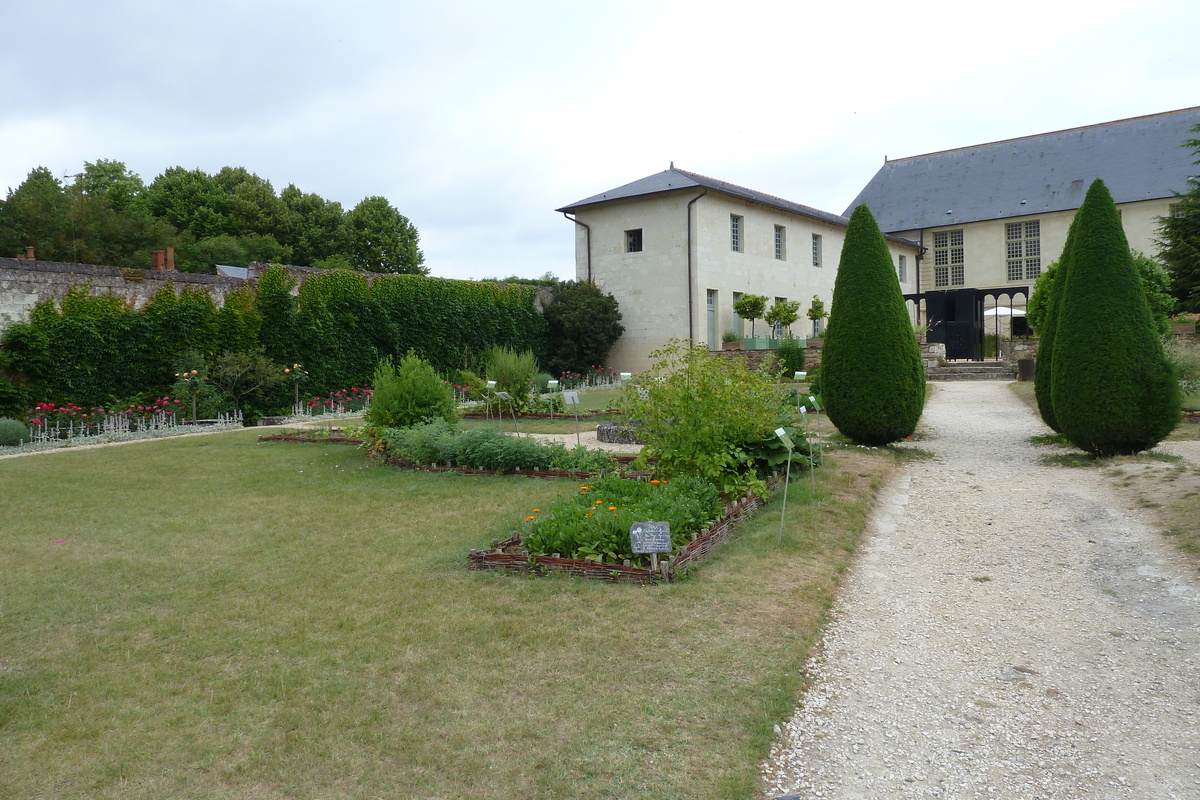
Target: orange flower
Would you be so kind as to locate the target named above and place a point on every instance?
(537, 510)
(599, 502)
(612, 508)
(588, 514)
(656, 482)
(527, 519)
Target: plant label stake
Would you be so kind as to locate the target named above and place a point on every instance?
(812, 467)
(508, 397)
(787, 442)
(572, 399)
(491, 388)
(817, 410)
(652, 538)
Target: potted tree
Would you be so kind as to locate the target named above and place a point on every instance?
(817, 313)
(751, 307)
(781, 316)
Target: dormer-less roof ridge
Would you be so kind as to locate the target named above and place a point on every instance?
(1048, 134)
(673, 179)
(1139, 158)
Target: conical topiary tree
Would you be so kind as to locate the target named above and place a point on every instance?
(873, 383)
(1112, 389)
(1044, 364)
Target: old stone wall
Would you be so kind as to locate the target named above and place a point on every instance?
(25, 282)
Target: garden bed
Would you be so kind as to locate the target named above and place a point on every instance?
(400, 463)
(510, 556)
(530, 415)
(310, 438)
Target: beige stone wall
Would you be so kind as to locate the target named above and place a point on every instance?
(651, 287)
(984, 246)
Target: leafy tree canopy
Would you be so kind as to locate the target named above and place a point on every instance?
(1179, 240)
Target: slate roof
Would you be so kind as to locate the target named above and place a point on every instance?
(1141, 158)
(675, 179)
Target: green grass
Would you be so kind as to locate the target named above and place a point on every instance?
(233, 619)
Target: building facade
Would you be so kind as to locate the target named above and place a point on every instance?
(677, 250)
(993, 216)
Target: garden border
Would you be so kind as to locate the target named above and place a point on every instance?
(509, 556)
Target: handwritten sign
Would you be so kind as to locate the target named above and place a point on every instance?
(650, 537)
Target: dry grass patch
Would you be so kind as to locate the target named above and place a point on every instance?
(1168, 489)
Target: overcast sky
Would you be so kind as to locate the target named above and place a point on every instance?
(477, 119)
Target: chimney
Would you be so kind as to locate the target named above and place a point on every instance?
(29, 254)
(156, 260)
(170, 258)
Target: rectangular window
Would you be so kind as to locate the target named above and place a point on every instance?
(778, 332)
(1023, 250)
(780, 243)
(1176, 211)
(816, 249)
(947, 248)
(633, 241)
(735, 233)
(941, 276)
(903, 270)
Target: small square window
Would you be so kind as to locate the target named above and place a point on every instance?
(735, 233)
(1176, 211)
(633, 241)
(780, 243)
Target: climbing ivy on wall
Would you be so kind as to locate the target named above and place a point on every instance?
(97, 350)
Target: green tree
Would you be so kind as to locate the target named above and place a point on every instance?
(1156, 283)
(37, 214)
(1112, 389)
(381, 239)
(1179, 240)
(873, 380)
(751, 307)
(582, 325)
(191, 201)
(313, 227)
(783, 314)
(816, 312)
(1043, 366)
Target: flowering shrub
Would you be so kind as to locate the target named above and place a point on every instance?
(597, 376)
(354, 400)
(71, 419)
(595, 522)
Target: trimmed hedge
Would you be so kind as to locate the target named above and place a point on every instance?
(872, 378)
(1111, 387)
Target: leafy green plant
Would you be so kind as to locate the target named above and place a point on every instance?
(513, 372)
(13, 432)
(700, 413)
(407, 394)
(730, 336)
(791, 357)
(13, 399)
(783, 314)
(751, 307)
(595, 522)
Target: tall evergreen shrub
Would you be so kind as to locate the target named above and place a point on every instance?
(1043, 365)
(873, 380)
(1112, 389)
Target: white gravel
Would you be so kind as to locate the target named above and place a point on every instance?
(1008, 630)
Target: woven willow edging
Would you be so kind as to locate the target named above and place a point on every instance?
(510, 556)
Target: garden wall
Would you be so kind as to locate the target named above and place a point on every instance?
(25, 282)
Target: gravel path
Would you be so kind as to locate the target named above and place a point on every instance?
(1009, 630)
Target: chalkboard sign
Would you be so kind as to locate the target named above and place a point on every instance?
(650, 537)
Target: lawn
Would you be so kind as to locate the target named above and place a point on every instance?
(215, 617)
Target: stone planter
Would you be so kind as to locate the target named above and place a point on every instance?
(737, 345)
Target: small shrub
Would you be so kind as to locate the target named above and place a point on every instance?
(513, 372)
(791, 357)
(408, 394)
(13, 399)
(13, 432)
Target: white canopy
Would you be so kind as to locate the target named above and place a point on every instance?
(1003, 311)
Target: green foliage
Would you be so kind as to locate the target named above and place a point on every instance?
(751, 307)
(582, 325)
(381, 239)
(1185, 363)
(783, 314)
(14, 400)
(246, 379)
(440, 442)
(1155, 281)
(13, 432)
(791, 357)
(701, 415)
(409, 393)
(1179, 241)
(595, 523)
(1039, 301)
(1111, 386)
(513, 372)
(873, 380)
(1043, 366)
